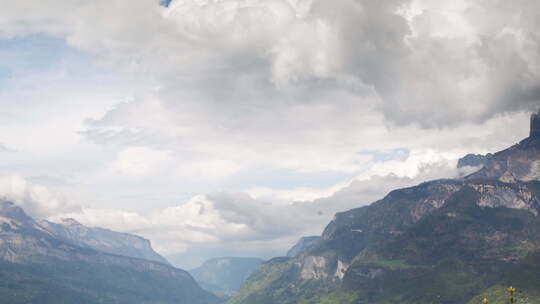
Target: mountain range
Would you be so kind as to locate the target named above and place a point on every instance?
(103, 240)
(43, 262)
(450, 241)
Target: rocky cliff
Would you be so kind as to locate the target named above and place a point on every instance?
(519, 163)
(103, 240)
(474, 160)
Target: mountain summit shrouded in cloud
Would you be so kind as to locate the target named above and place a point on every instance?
(209, 126)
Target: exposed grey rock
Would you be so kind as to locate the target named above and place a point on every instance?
(22, 237)
(314, 268)
(474, 160)
(519, 163)
(515, 196)
(103, 240)
(341, 268)
(438, 193)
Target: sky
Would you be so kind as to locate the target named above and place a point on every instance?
(234, 127)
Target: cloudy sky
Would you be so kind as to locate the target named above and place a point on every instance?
(234, 127)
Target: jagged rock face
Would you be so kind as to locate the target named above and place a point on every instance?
(474, 160)
(341, 268)
(22, 237)
(103, 240)
(302, 245)
(436, 196)
(320, 267)
(520, 163)
(314, 268)
(512, 196)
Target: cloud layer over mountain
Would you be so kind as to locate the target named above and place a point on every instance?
(285, 111)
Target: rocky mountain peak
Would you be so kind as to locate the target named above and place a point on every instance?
(535, 125)
(474, 160)
(10, 210)
(520, 162)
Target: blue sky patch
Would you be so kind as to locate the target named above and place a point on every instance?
(166, 3)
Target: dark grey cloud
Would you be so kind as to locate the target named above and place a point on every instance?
(488, 66)
(439, 66)
(432, 63)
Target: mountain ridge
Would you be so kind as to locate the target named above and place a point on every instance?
(466, 235)
(104, 240)
(35, 261)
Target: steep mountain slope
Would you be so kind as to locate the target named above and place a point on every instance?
(302, 245)
(103, 240)
(449, 256)
(446, 241)
(224, 276)
(38, 267)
